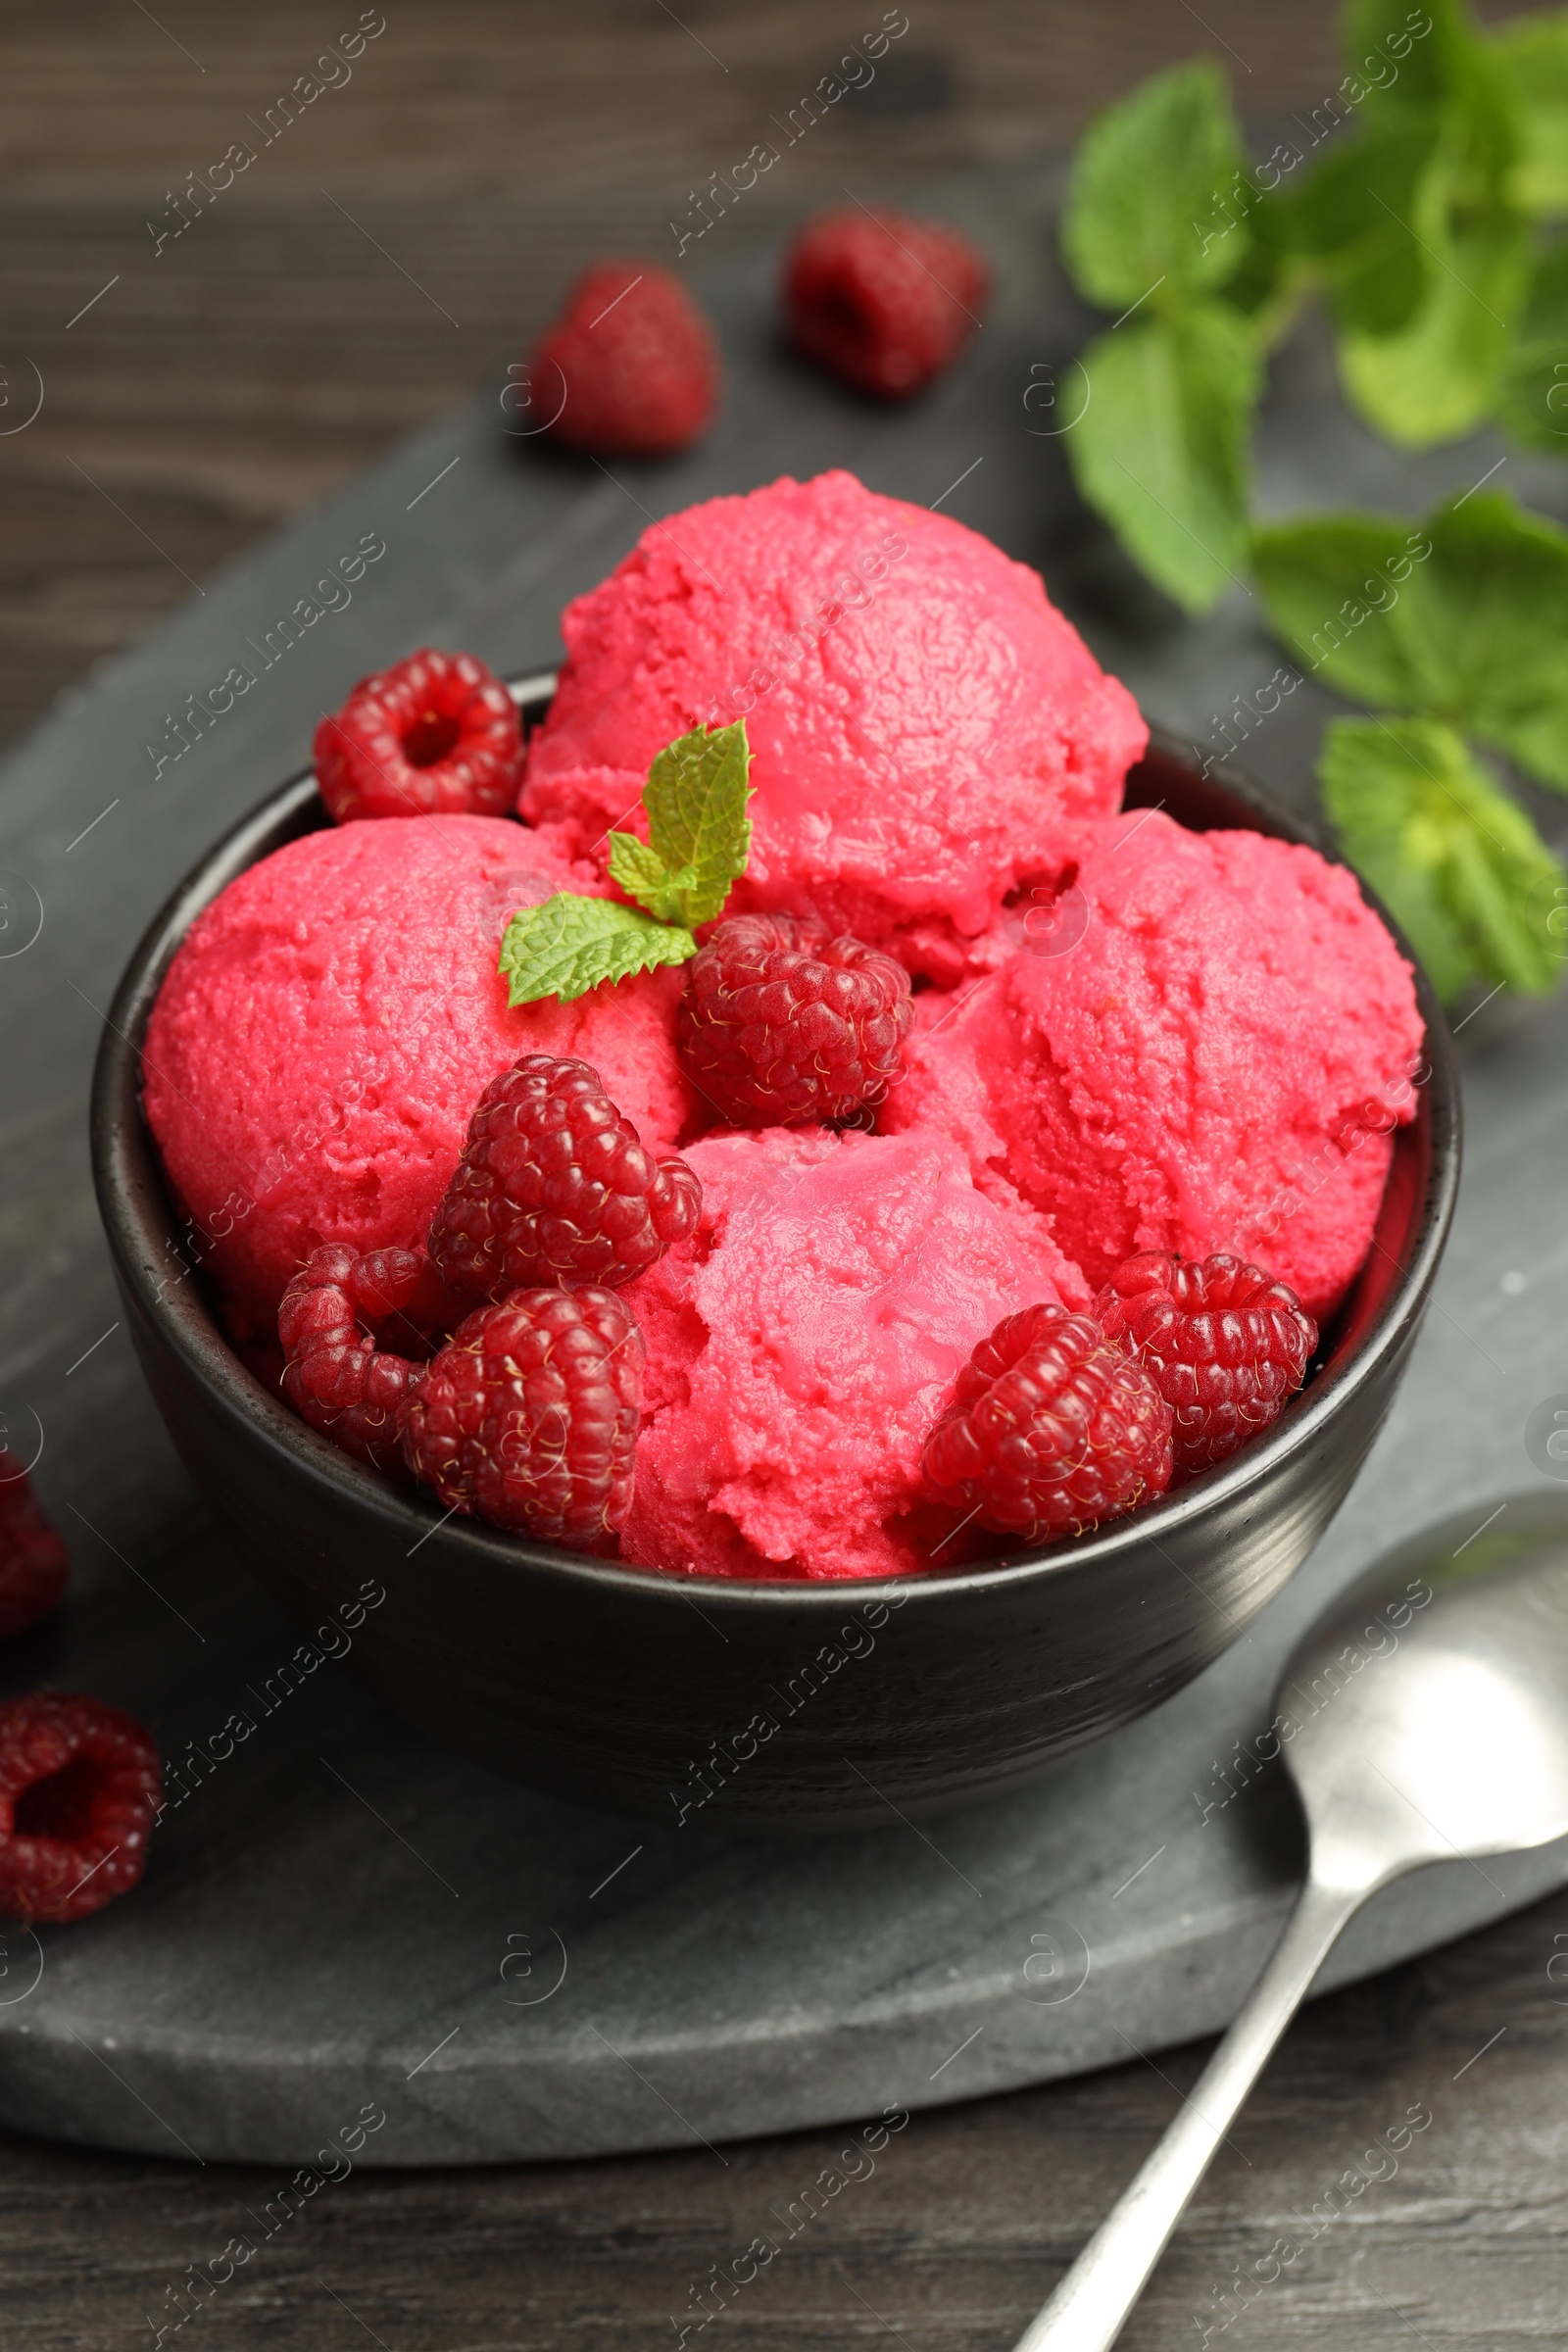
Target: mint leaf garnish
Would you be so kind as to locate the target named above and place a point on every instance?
(570, 943)
(644, 876)
(699, 838)
(1161, 449)
(1460, 865)
(698, 835)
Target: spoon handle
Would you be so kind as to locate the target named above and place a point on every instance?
(1091, 2303)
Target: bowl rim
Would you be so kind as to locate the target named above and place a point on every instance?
(129, 1179)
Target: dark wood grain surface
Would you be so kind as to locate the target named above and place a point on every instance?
(383, 256)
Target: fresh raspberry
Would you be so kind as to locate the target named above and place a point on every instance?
(780, 1026)
(335, 1376)
(1051, 1429)
(1224, 1343)
(80, 1786)
(554, 1188)
(528, 1416)
(883, 299)
(435, 735)
(630, 365)
(34, 1567)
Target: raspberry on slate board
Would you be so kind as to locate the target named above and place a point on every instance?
(555, 1187)
(435, 735)
(529, 1415)
(1225, 1345)
(883, 299)
(1052, 1430)
(34, 1567)
(629, 367)
(81, 1785)
(780, 1026)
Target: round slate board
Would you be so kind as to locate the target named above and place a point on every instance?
(341, 1922)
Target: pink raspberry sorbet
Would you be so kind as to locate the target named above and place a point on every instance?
(803, 1342)
(329, 1023)
(1206, 1049)
(923, 720)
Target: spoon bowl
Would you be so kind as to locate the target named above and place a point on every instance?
(1425, 1719)
(1430, 1703)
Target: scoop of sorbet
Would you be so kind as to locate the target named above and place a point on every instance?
(804, 1342)
(330, 1023)
(1209, 1056)
(922, 721)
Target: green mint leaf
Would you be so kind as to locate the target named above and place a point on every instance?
(1414, 221)
(1161, 449)
(1154, 191)
(1458, 863)
(1434, 378)
(644, 876)
(1489, 615)
(1412, 57)
(570, 945)
(1348, 216)
(696, 797)
(1272, 269)
(1533, 401)
(1329, 585)
(1530, 56)
(1474, 631)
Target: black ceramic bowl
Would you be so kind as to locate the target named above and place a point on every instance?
(778, 1705)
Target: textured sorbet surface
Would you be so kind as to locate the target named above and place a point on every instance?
(1216, 1063)
(800, 1346)
(329, 1023)
(923, 720)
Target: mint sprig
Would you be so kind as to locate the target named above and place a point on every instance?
(699, 839)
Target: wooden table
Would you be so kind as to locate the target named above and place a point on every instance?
(381, 257)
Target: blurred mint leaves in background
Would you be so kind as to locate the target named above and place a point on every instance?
(1424, 225)
(1460, 626)
(1455, 860)
(1161, 449)
(1430, 225)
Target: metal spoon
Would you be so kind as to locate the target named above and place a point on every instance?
(1440, 1681)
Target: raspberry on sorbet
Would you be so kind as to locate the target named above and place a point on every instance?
(528, 1416)
(1052, 1429)
(555, 1187)
(337, 1376)
(780, 1026)
(1225, 1345)
(81, 1785)
(435, 735)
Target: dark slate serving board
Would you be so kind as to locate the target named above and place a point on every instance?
(341, 1917)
